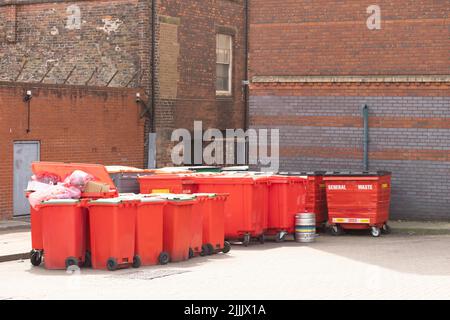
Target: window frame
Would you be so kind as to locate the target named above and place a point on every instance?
(230, 69)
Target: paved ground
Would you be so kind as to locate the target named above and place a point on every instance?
(349, 267)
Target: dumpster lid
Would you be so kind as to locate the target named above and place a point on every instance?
(357, 173)
(152, 200)
(303, 173)
(209, 195)
(125, 169)
(65, 169)
(61, 201)
(177, 197)
(177, 176)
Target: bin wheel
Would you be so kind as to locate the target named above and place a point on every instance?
(36, 258)
(71, 261)
(137, 262)
(246, 241)
(205, 250)
(375, 231)
(226, 247)
(164, 258)
(88, 260)
(336, 230)
(262, 239)
(112, 264)
(191, 253)
(211, 249)
(280, 237)
(386, 229)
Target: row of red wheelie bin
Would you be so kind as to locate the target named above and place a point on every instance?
(129, 231)
(266, 204)
(112, 231)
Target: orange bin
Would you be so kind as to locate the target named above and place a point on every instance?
(286, 200)
(64, 235)
(149, 232)
(196, 245)
(214, 224)
(247, 205)
(358, 200)
(178, 226)
(168, 183)
(113, 233)
(37, 243)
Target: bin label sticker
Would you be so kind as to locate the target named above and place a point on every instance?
(351, 220)
(365, 187)
(160, 191)
(385, 185)
(337, 187)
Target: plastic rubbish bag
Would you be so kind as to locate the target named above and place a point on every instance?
(78, 179)
(37, 186)
(47, 178)
(53, 192)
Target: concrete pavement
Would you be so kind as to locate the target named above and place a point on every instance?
(398, 266)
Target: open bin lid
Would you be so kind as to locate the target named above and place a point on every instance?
(65, 169)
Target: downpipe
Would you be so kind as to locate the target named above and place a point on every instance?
(365, 114)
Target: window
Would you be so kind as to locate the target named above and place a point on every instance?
(224, 51)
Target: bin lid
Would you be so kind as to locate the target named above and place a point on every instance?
(123, 169)
(357, 173)
(107, 201)
(177, 197)
(167, 177)
(65, 169)
(61, 201)
(237, 168)
(152, 200)
(227, 179)
(303, 173)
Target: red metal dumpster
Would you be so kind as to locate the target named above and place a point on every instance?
(64, 235)
(149, 232)
(286, 200)
(247, 205)
(113, 233)
(358, 200)
(168, 183)
(214, 224)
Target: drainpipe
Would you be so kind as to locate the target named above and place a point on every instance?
(153, 68)
(365, 114)
(246, 81)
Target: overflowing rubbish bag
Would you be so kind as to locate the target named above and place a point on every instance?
(58, 191)
(78, 179)
(47, 186)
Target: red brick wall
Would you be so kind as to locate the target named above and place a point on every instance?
(197, 23)
(73, 124)
(324, 37)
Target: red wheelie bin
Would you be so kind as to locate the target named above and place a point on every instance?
(286, 200)
(198, 211)
(149, 232)
(178, 226)
(113, 233)
(37, 243)
(64, 235)
(359, 200)
(167, 183)
(247, 205)
(214, 224)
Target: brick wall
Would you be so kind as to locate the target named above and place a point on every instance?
(187, 58)
(101, 43)
(73, 124)
(314, 65)
(326, 37)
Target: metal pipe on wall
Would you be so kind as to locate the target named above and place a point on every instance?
(365, 114)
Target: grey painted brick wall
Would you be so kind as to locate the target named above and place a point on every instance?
(421, 189)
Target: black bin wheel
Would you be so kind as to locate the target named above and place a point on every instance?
(280, 237)
(226, 247)
(205, 250)
(211, 249)
(164, 258)
(36, 258)
(71, 261)
(137, 262)
(88, 260)
(386, 229)
(246, 241)
(336, 230)
(112, 264)
(191, 253)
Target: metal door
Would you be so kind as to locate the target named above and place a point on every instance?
(24, 154)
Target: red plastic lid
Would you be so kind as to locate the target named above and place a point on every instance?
(65, 169)
(232, 179)
(167, 177)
